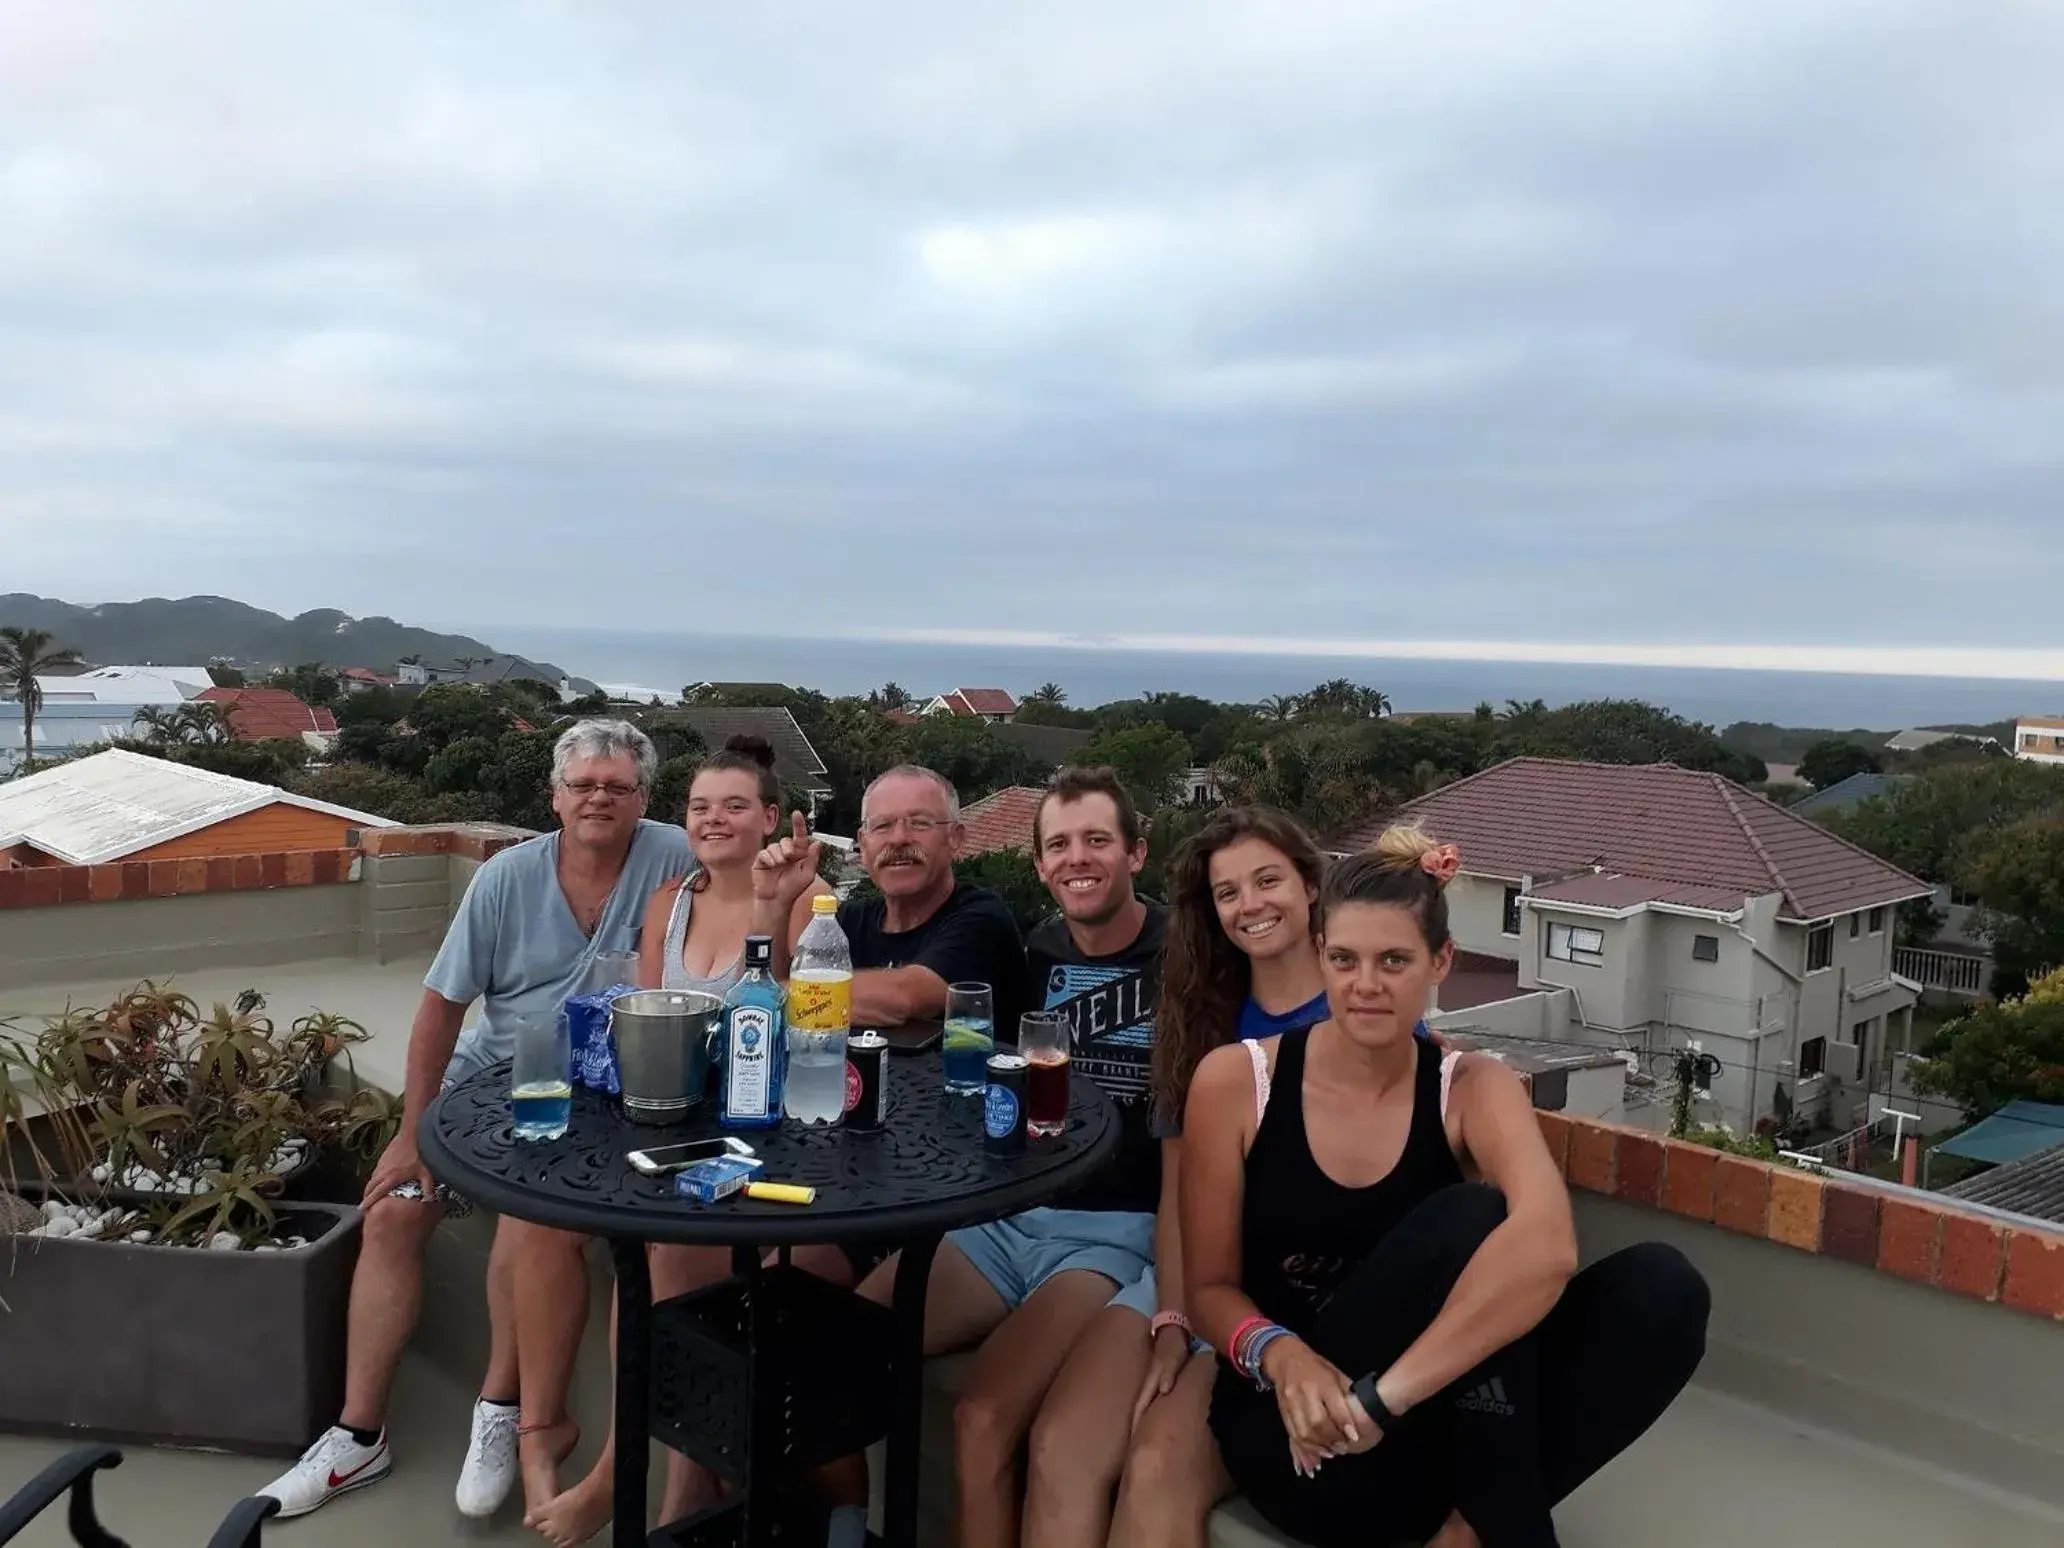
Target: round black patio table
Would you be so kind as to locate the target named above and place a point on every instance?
(787, 1370)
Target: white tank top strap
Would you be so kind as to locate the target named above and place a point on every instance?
(1448, 1065)
(672, 974)
(1261, 1078)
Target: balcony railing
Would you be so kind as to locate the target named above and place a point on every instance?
(1944, 970)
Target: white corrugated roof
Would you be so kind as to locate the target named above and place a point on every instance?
(91, 810)
(138, 685)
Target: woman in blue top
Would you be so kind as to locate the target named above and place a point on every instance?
(1127, 1411)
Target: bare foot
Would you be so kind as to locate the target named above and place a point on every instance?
(690, 1487)
(1454, 1533)
(570, 1519)
(539, 1450)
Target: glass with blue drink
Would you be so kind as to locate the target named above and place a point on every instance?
(970, 1037)
(612, 970)
(541, 1076)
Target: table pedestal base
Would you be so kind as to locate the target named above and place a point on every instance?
(764, 1378)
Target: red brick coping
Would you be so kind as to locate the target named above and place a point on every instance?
(47, 886)
(1921, 1237)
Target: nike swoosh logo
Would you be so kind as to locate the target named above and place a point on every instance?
(339, 1480)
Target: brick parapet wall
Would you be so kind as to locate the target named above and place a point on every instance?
(50, 886)
(1921, 1237)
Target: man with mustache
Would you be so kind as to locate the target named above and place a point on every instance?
(926, 929)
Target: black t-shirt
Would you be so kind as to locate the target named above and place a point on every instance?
(1109, 1003)
(971, 939)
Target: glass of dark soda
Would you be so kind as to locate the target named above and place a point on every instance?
(1043, 1040)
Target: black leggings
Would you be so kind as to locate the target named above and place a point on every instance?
(1501, 1444)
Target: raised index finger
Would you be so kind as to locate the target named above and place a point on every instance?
(799, 827)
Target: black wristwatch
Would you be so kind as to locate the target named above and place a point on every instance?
(1365, 1394)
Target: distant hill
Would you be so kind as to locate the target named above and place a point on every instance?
(193, 631)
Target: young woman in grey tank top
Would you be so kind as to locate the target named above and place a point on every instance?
(693, 938)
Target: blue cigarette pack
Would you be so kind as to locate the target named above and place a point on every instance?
(717, 1178)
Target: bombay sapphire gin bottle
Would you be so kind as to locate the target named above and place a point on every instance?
(755, 1050)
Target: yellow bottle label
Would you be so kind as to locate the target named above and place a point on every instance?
(820, 1002)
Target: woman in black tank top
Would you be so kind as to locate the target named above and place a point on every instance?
(1410, 1355)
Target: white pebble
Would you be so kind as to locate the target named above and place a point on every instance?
(139, 1237)
(100, 1173)
(52, 1209)
(297, 1241)
(63, 1225)
(266, 1247)
(224, 1241)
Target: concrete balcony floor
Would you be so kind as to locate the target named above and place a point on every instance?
(1718, 1472)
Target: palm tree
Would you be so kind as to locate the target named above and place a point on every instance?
(161, 725)
(205, 722)
(24, 655)
(1278, 706)
(1047, 693)
(892, 695)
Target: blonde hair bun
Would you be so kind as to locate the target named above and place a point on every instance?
(1404, 846)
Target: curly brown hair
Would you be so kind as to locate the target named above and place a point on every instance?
(1204, 975)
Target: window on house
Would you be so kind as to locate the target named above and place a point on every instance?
(1855, 926)
(1705, 948)
(1877, 921)
(1820, 947)
(1812, 1057)
(1512, 911)
(1860, 1033)
(1575, 943)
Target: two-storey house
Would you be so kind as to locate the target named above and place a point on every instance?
(1645, 907)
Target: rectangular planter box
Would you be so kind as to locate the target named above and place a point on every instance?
(178, 1346)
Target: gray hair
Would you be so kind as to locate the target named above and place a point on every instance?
(604, 739)
(915, 771)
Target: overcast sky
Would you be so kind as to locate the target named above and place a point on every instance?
(1674, 323)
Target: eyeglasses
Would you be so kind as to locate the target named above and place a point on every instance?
(583, 788)
(918, 827)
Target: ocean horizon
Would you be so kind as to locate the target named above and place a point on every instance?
(664, 663)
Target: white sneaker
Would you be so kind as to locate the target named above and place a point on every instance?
(336, 1464)
(490, 1470)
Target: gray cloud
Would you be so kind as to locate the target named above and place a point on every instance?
(1708, 322)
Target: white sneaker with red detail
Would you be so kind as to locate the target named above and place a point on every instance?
(490, 1470)
(336, 1464)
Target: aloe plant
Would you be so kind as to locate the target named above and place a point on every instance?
(212, 1100)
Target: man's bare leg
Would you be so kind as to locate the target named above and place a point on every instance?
(1079, 1439)
(386, 1297)
(1012, 1371)
(550, 1295)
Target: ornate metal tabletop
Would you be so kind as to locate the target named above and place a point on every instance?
(925, 1173)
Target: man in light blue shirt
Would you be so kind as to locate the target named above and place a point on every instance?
(533, 921)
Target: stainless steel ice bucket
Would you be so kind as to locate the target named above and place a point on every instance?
(663, 1039)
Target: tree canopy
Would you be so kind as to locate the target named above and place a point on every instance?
(1830, 762)
(2005, 1051)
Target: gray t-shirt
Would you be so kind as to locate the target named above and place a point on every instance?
(516, 945)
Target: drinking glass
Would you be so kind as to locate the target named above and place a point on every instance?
(1043, 1040)
(611, 968)
(970, 1037)
(541, 1076)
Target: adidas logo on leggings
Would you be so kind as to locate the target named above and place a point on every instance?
(1488, 1398)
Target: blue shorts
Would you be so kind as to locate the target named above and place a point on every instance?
(1022, 1253)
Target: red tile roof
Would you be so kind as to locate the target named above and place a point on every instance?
(1646, 833)
(368, 675)
(255, 713)
(980, 701)
(1002, 821)
(903, 717)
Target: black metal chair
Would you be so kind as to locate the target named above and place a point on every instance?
(244, 1526)
(73, 1472)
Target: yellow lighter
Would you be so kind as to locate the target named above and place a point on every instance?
(780, 1193)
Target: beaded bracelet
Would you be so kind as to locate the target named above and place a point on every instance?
(1256, 1346)
(1246, 1325)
